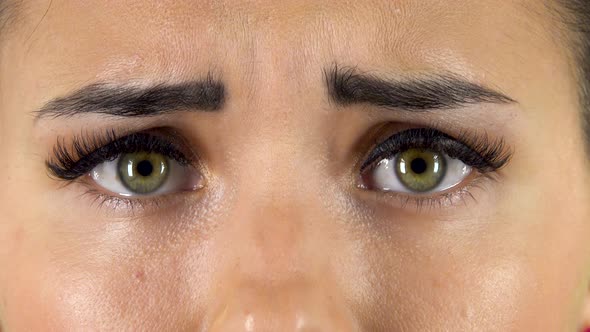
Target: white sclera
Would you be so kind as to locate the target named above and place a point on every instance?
(179, 178)
(385, 176)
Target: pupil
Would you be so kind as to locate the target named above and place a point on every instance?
(145, 168)
(418, 166)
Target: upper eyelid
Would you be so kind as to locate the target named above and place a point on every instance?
(375, 155)
(65, 164)
(492, 154)
(379, 152)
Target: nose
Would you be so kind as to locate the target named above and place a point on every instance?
(295, 307)
(279, 272)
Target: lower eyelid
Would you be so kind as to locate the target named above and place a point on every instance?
(471, 190)
(122, 207)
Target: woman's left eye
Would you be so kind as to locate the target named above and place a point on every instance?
(144, 174)
(416, 171)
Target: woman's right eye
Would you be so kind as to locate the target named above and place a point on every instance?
(145, 174)
(137, 165)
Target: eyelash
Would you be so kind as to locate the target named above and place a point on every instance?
(88, 152)
(479, 152)
(485, 155)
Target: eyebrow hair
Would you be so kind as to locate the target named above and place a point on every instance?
(346, 86)
(9, 16)
(133, 101)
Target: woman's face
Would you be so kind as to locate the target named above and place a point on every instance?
(292, 165)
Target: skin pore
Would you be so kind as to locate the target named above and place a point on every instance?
(277, 226)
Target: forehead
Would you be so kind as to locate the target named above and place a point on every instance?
(120, 37)
(273, 52)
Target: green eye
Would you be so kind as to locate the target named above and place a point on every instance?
(143, 172)
(420, 170)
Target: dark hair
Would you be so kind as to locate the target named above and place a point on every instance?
(2, 14)
(577, 20)
(6, 13)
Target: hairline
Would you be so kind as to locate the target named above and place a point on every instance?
(574, 29)
(9, 12)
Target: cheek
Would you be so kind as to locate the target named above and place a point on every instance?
(547, 197)
(156, 292)
(459, 273)
(434, 285)
(107, 280)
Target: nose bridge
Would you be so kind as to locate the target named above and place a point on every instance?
(276, 231)
(275, 273)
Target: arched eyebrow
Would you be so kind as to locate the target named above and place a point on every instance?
(346, 86)
(132, 101)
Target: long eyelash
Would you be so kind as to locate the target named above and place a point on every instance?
(480, 152)
(87, 152)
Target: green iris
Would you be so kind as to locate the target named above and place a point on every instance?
(143, 172)
(420, 170)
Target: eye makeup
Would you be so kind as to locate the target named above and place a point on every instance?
(477, 156)
(477, 151)
(84, 153)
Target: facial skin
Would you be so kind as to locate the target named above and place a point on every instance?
(281, 236)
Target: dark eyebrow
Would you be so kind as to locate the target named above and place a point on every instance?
(132, 101)
(346, 86)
